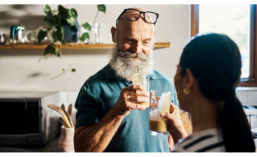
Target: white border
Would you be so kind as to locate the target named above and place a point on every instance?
(128, 2)
(131, 154)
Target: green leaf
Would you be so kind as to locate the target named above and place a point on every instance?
(50, 19)
(71, 21)
(84, 36)
(47, 9)
(41, 35)
(58, 20)
(63, 12)
(62, 29)
(55, 37)
(59, 34)
(87, 26)
(101, 7)
(50, 50)
(73, 13)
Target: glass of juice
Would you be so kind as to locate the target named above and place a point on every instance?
(142, 79)
(159, 103)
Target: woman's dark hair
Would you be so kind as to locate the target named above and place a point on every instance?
(215, 61)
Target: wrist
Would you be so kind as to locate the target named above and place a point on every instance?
(117, 111)
(178, 131)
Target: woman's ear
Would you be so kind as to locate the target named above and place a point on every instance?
(114, 34)
(188, 80)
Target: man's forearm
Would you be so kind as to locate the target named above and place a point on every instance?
(97, 137)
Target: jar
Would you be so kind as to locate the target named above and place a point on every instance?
(65, 142)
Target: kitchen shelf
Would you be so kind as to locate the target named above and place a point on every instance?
(75, 46)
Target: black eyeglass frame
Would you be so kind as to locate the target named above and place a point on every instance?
(141, 12)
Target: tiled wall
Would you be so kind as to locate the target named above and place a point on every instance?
(248, 97)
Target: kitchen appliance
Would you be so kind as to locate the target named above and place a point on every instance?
(26, 120)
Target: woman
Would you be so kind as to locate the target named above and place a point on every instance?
(207, 75)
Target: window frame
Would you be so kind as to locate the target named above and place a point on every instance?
(245, 82)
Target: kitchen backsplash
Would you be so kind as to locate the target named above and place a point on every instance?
(248, 98)
(247, 95)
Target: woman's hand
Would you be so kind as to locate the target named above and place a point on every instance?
(174, 123)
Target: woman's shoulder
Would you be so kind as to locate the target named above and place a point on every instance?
(204, 141)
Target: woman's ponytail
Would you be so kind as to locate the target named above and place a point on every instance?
(235, 127)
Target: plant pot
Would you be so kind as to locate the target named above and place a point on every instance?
(71, 33)
(65, 142)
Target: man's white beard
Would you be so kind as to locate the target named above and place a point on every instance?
(124, 65)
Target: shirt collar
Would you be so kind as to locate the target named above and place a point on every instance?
(110, 73)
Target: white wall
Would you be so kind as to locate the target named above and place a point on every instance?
(20, 70)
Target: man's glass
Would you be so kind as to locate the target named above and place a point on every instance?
(134, 15)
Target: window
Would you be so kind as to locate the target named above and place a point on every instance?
(239, 23)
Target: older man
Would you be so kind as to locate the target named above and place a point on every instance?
(110, 117)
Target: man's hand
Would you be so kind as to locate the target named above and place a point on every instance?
(130, 98)
(96, 138)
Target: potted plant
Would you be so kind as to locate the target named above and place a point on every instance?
(63, 27)
(59, 23)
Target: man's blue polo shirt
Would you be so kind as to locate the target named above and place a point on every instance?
(99, 94)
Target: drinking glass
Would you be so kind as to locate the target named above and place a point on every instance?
(142, 79)
(159, 103)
